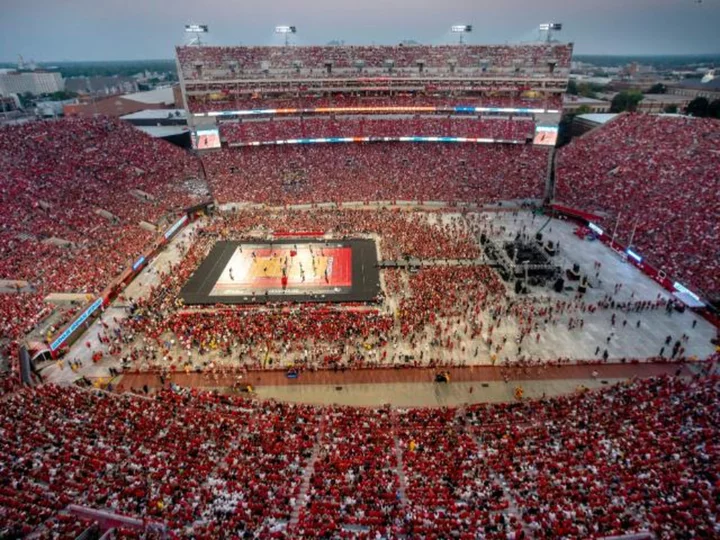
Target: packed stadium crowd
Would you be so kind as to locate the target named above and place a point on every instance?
(480, 173)
(367, 126)
(639, 456)
(236, 62)
(56, 164)
(56, 176)
(256, 337)
(209, 466)
(452, 311)
(656, 178)
(226, 98)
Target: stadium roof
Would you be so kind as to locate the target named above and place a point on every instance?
(598, 118)
(154, 114)
(665, 98)
(712, 84)
(581, 100)
(158, 96)
(163, 131)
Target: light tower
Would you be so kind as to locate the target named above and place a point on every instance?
(286, 30)
(461, 29)
(549, 28)
(196, 29)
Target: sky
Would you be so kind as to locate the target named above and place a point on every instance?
(57, 30)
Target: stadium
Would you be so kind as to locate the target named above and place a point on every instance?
(374, 301)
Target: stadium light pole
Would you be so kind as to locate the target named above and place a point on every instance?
(549, 28)
(461, 29)
(286, 31)
(196, 29)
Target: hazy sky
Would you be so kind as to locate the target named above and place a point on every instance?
(139, 29)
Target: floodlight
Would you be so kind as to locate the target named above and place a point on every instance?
(196, 29)
(286, 31)
(461, 29)
(550, 28)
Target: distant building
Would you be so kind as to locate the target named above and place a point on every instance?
(693, 88)
(108, 86)
(9, 103)
(572, 103)
(116, 106)
(49, 109)
(33, 82)
(600, 81)
(111, 106)
(657, 103)
(651, 103)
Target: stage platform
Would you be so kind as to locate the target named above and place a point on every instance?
(287, 270)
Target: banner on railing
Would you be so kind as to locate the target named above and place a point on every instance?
(172, 230)
(55, 345)
(137, 264)
(389, 109)
(419, 139)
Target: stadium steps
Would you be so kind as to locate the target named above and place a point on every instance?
(306, 476)
(512, 508)
(27, 237)
(112, 218)
(550, 178)
(402, 492)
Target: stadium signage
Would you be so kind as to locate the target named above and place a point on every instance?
(76, 324)
(633, 255)
(137, 264)
(459, 109)
(331, 140)
(679, 287)
(594, 228)
(172, 230)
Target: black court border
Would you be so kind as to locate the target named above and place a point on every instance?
(365, 275)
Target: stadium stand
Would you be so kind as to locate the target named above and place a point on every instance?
(360, 126)
(639, 456)
(657, 176)
(241, 78)
(251, 62)
(59, 178)
(481, 173)
(225, 100)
